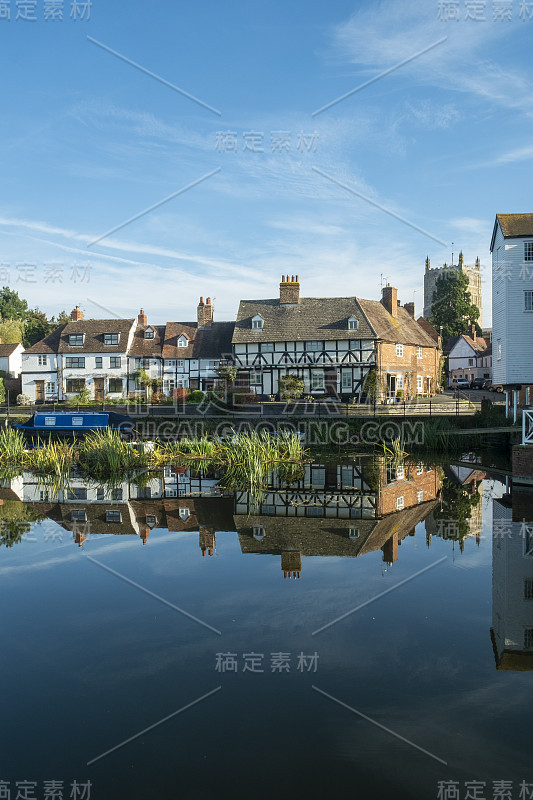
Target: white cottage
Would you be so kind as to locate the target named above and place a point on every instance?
(82, 354)
(11, 359)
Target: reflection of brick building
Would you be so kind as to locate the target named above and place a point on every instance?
(333, 521)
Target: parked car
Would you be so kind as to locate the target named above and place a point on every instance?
(487, 383)
(477, 383)
(462, 383)
(495, 387)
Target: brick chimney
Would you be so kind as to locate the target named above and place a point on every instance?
(473, 332)
(289, 290)
(205, 313)
(76, 315)
(389, 299)
(410, 308)
(142, 319)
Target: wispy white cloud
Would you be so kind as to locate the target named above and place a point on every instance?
(519, 154)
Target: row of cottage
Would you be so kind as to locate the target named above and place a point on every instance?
(332, 343)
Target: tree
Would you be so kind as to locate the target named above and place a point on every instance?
(11, 305)
(62, 318)
(372, 385)
(2, 391)
(35, 328)
(291, 387)
(11, 331)
(452, 306)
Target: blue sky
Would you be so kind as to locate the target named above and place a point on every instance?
(90, 141)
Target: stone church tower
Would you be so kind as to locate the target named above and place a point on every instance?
(474, 283)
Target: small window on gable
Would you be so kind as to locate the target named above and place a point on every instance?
(353, 324)
(149, 333)
(183, 341)
(399, 350)
(184, 514)
(258, 323)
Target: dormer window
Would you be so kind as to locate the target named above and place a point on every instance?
(183, 341)
(111, 338)
(353, 324)
(184, 514)
(258, 533)
(149, 333)
(76, 339)
(258, 323)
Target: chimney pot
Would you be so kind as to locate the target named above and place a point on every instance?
(289, 291)
(410, 308)
(142, 319)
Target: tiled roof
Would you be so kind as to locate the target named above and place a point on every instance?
(7, 350)
(94, 330)
(141, 346)
(402, 329)
(516, 224)
(49, 344)
(312, 319)
(512, 225)
(207, 343)
(429, 329)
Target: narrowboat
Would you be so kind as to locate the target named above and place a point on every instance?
(76, 422)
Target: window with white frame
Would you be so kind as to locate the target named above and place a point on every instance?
(113, 516)
(317, 380)
(258, 323)
(111, 338)
(115, 362)
(419, 383)
(399, 381)
(420, 497)
(419, 468)
(181, 363)
(42, 361)
(255, 377)
(353, 533)
(400, 472)
(76, 339)
(528, 251)
(419, 352)
(184, 513)
(149, 333)
(76, 363)
(347, 380)
(528, 300)
(267, 347)
(183, 341)
(50, 388)
(399, 503)
(98, 362)
(168, 385)
(213, 364)
(313, 346)
(170, 362)
(78, 515)
(399, 350)
(353, 324)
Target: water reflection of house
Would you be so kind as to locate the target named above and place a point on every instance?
(512, 581)
(450, 528)
(344, 510)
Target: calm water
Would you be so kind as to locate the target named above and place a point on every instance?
(123, 606)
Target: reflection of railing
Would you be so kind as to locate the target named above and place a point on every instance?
(527, 427)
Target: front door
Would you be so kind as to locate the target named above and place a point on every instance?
(39, 391)
(99, 389)
(330, 381)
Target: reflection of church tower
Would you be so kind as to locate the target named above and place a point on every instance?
(291, 563)
(390, 550)
(207, 540)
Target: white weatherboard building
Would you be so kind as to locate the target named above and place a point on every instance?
(11, 359)
(512, 305)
